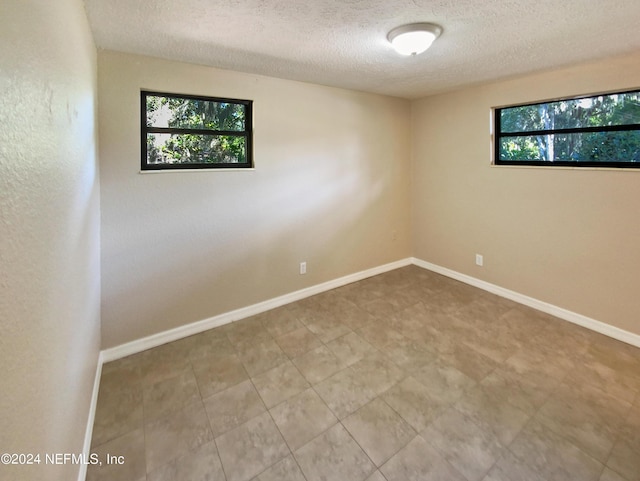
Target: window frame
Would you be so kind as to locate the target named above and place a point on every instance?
(247, 133)
(497, 135)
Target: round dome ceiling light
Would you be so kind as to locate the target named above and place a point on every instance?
(414, 38)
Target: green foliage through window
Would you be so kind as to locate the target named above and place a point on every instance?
(596, 131)
(192, 132)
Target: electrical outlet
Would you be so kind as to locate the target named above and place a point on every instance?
(303, 268)
(479, 260)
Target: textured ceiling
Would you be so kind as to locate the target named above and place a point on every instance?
(343, 43)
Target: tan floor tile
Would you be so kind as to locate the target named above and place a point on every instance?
(280, 321)
(295, 343)
(376, 476)
(475, 365)
(382, 308)
(251, 448)
(305, 310)
(162, 362)
(350, 348)
(220, 345)
(410, 321)
(419, 461)
(379, 285)
(498, 348)
(552, 456)
(519, 391)
(176, 434)
(403, 297)
(439, 312)
(379, 335)
(334, 456)
(261, 356)
(201, 345)
(524, 323)
(368, 423)
(353, 317)
(216, 335)
(540, 366)
(564, 336)
(285, 470)
(484, 311)
(279, 384)
(625, 455)
(125, 373)
(344, 392)
(117, 412)
(412, 401)
(616, 383)
(215, 374)
(509, 468)
(302, 418)
(131, 447)
(201, 464)
(465, 293)
(378, 372)
(246, 330)
(427, 335)
(609, 475)
(327, 328)
(331, 301)
(409, 354)
(360, 294)
(464, 445)
(444, 382)
(617, 355)
(170, 395)
(318, 364)
(455, 340)
(245, 344)
(586, 416)
(233, 406)
(443, 302)
(625, 459)
(492, 414)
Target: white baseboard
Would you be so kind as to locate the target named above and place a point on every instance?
(180, 332)
(579, 319)
(86, 447)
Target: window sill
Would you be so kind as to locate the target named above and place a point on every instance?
(172, 171)
(567, 167)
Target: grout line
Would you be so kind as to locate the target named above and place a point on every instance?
(215, 443)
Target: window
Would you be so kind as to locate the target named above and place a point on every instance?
(597, 131)
(192, 132)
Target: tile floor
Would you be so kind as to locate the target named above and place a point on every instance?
(404, 376)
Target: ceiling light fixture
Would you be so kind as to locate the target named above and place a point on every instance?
(414, 38)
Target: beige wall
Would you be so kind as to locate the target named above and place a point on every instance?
(564, 236)
(49, 232)
(331, 187)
